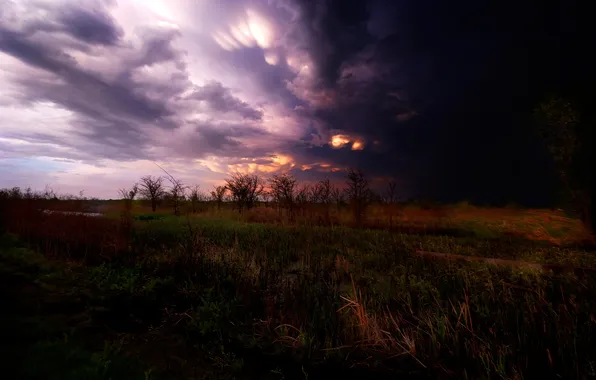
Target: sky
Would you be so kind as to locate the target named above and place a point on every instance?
(431, 94)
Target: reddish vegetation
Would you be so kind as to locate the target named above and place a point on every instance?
(58, 233)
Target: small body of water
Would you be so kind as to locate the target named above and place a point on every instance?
(93, 214)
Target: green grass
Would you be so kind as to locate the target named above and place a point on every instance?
(356, 245)
(38, 337)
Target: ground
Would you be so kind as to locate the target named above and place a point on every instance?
(215, 296)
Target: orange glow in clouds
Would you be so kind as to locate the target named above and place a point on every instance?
(276, 163)
(358, 145)
(338, 141)
(320, 167)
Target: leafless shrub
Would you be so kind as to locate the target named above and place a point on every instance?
(283, 188)
(266, 198)
(177, 195)
(302, 198)
(302, 194)
(129, 195)
(358, 193)
(338, 197)
(322, 192)
(197, 199)
(49, 193)
(218, 195)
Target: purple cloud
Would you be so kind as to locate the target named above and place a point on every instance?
(220, 99)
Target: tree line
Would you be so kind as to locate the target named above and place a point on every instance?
(280, 191)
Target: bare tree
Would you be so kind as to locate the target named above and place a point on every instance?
(358, 193)
(218, 194)
(176, 194)
(266, 197)
(302, 198)
(302, 195)
(338, 197)
(245, 189)
(152, 188)
(196, 198)
(391, 198)
(283, 191)
(129, 194)
(322, 193)
(324, 190)
(392, 192)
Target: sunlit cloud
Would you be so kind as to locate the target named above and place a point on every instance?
(160, 8)
(358, 145)
(252, 29)
(226, 41)
(267, 165)
(241, 32)
(339, 141)
(321, 167)
(271, 58)
(260, 28)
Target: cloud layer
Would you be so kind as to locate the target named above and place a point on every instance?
(209, 87)
(99, 89)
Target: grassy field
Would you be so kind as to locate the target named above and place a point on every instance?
(222, 295)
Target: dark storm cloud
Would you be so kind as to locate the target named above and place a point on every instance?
(211, 137)
(221, 99)
(157, 47)
(80, 90)
(332, 31)
(439, 85)
(270, 78)
(88, 22)
(109, 113)
(93, 26)
(369, 81)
